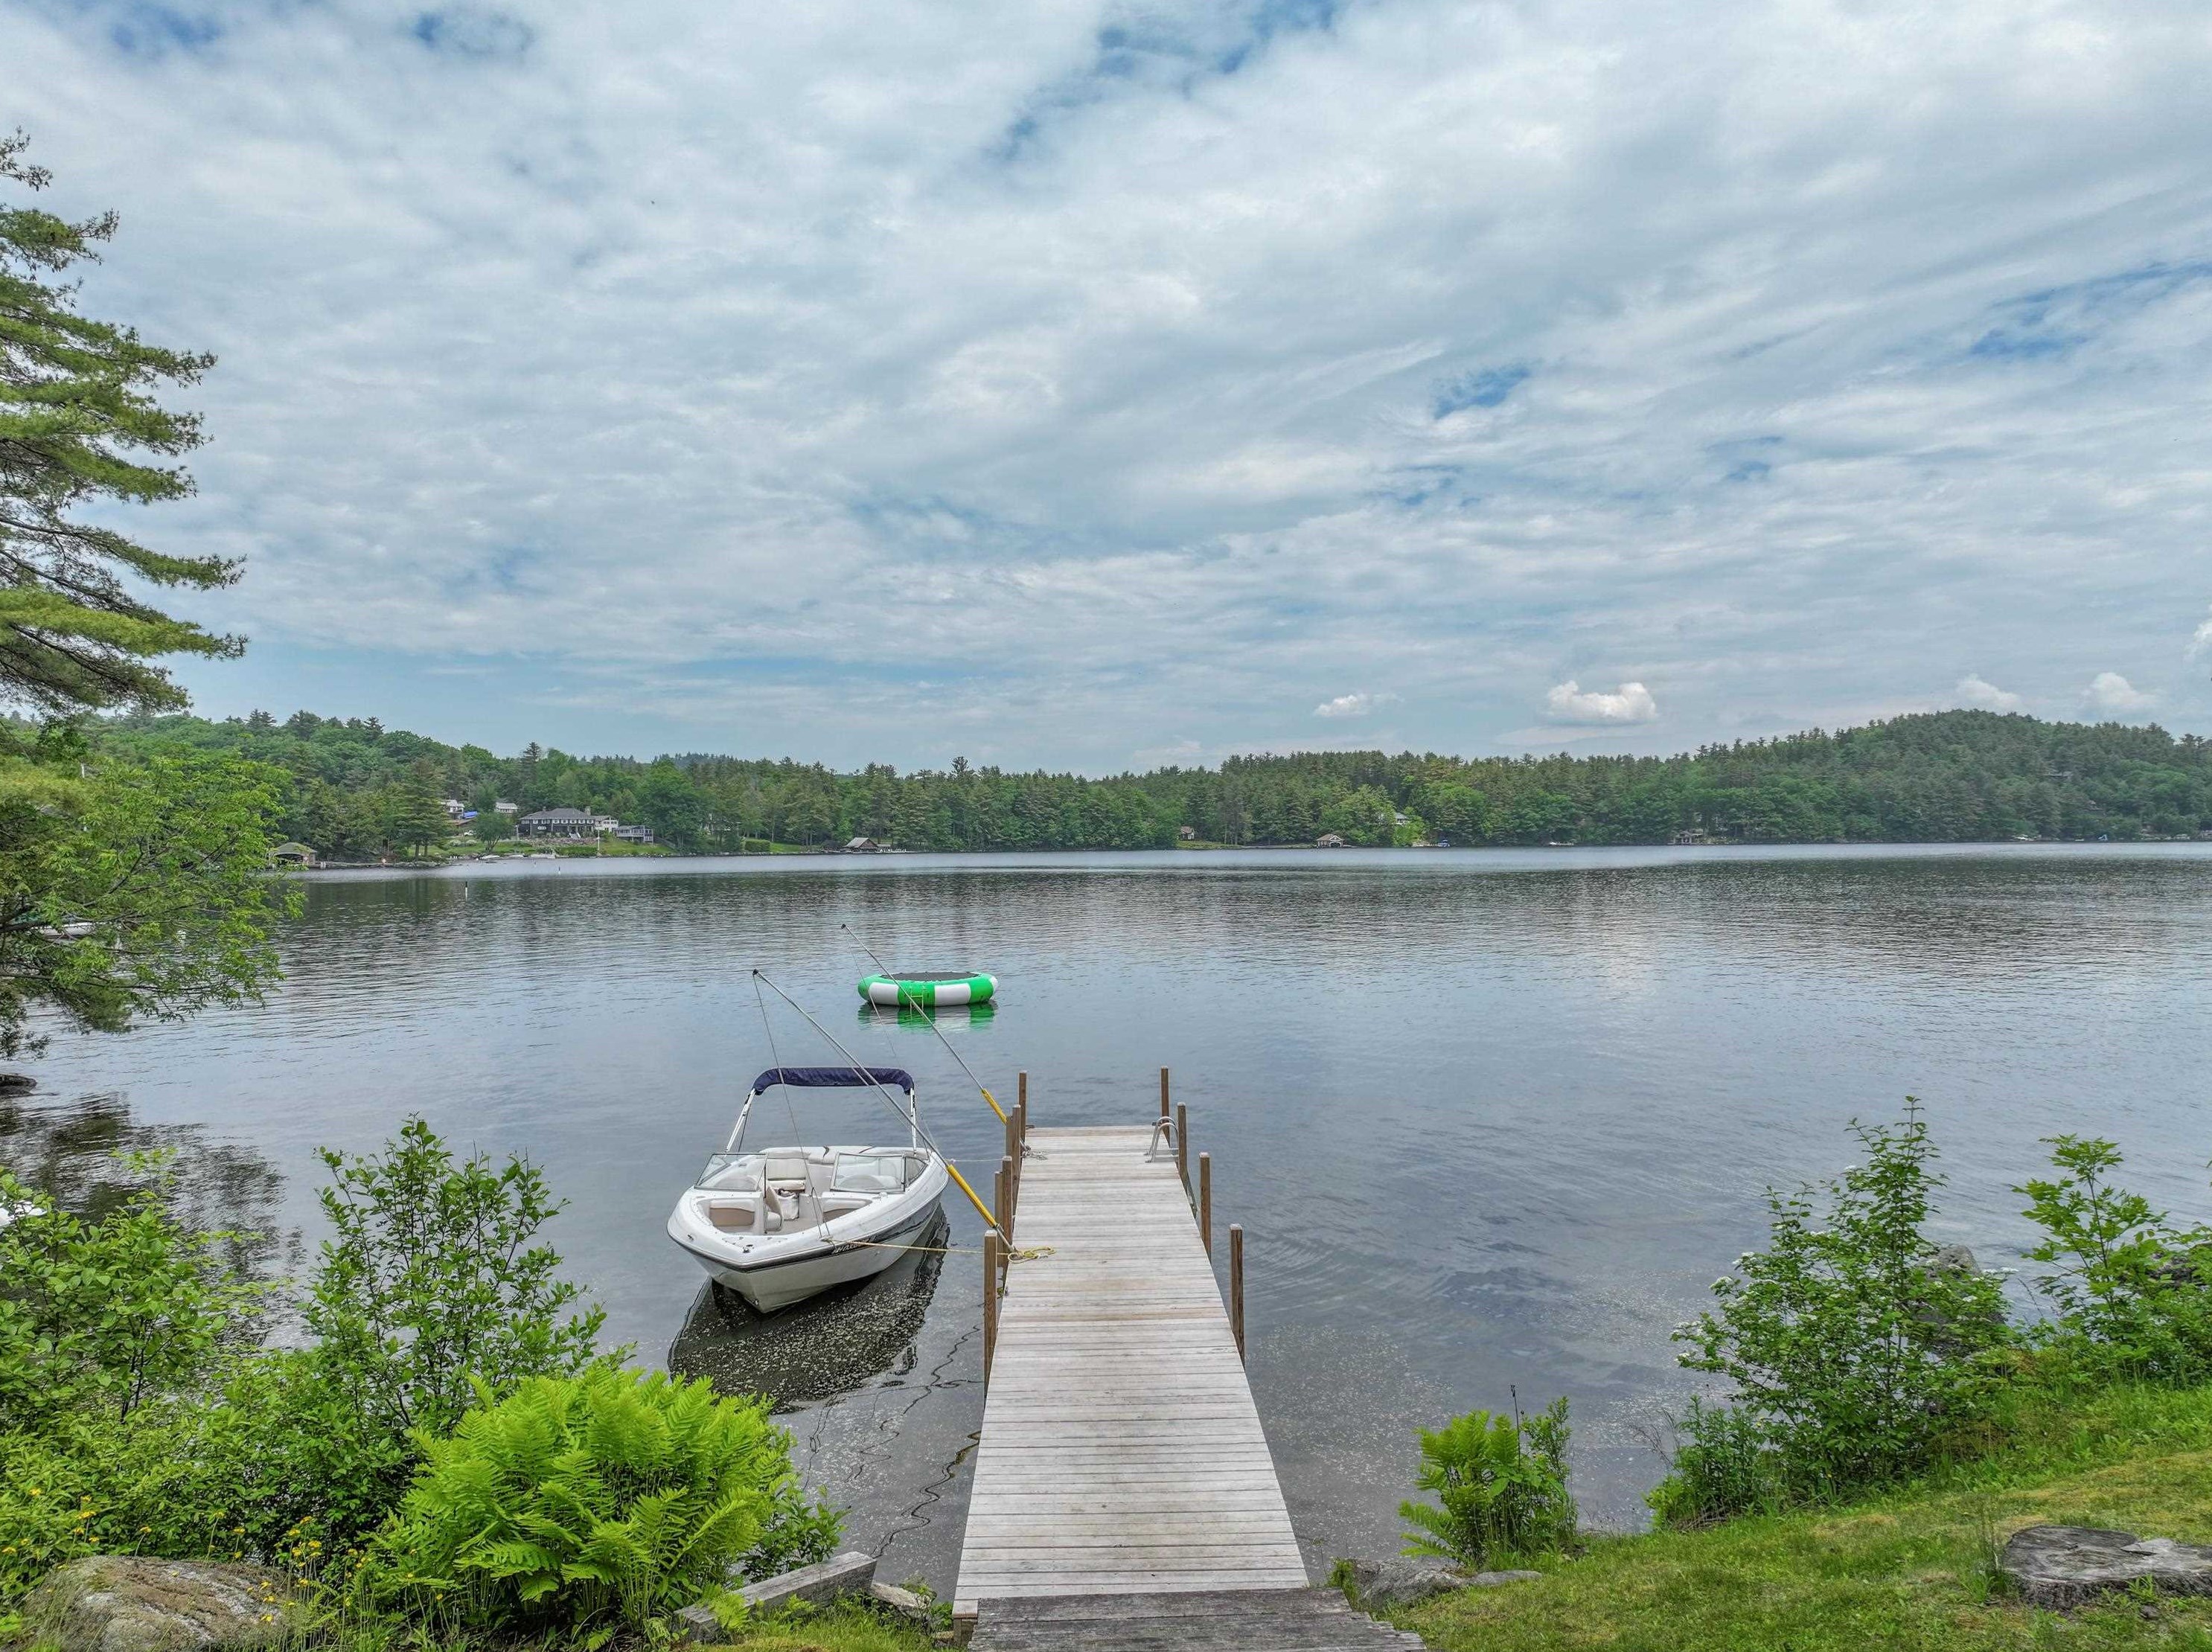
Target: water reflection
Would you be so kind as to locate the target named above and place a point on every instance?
(906, 1017)
(830, 1345)
(85, 1153)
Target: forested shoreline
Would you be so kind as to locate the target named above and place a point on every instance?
(350, 786)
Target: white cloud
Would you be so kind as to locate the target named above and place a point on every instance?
(2113, 694)
(1975, 692)
(2202, 639)
(826, 376)
(1352, 705)
(1632, 703)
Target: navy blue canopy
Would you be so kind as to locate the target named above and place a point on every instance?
(835, 1078)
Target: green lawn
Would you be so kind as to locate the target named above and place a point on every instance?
(846, 1627)
(1910, 1570)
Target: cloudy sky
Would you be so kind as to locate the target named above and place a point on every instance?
(1072, 382)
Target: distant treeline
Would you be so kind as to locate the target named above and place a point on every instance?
(1951, 776)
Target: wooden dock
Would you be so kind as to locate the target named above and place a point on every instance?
(1122, 1453)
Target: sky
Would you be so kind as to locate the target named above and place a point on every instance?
(1076, 384)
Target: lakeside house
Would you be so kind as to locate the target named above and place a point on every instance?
(455, 809)
(1187, 833)
(633, 833)
(862, 846)
(1328, 841)
(502, 808)
(575, 823)
(293, 854)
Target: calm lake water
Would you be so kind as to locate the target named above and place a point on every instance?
(1493, 1120)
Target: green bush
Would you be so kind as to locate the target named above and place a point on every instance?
(2127, 1291)
(1727, 1464)
(103, 1317)
(1500, 1483)
(611, 1496)
(432, 1281)
(798, 1531)
(1852, 1351)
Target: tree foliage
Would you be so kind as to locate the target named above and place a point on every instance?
(1950, 776)
(132, 889)
(80, 425)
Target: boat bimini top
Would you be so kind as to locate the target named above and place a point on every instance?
(878, 1079)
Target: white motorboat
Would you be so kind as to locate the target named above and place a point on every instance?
(778, 1224)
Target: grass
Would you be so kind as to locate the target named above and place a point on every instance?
(846, 1627)
(1913, 1570)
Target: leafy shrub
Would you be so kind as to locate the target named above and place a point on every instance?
(1727, 1464)
(1500, 1483)
(1851, 1350)
(106, 1315)
(2127, 1289)
(431, 1281)
(614, 1494)
(798, 1531)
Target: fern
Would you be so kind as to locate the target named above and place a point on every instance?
(614, 1495)
(1501, 1489)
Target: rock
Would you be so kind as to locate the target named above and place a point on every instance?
(905, 1602)
(1953, 1259)
(1400, 1581)
(2063, 1566)
(126, 1603)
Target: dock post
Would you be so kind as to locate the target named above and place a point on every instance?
(1013, 1146)
(1205, 1200)
(990, 1301)
(1164, 1092)
(1005, 1204)
(1022, 1088)
(1182, 1146)
(1236, 1284)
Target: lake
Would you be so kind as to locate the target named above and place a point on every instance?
(1493, 1121)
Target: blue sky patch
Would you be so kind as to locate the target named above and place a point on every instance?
(472, 32)
(1484, 387)
(2056, 320)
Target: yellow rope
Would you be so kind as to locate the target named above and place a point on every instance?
(1034, 1253)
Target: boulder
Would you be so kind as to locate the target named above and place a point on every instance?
(905, 1602)
(126, 1603)
(2064, 1566)
(1404, 1580)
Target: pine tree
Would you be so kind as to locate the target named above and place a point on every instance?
(76, 406)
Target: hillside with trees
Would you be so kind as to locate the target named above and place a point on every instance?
(356, 788)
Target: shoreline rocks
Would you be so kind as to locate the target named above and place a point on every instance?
(129, 1603)
(1405, 1581)
(2061, 1567)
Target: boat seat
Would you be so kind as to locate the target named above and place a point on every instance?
(833, 1208)
(732, 1215)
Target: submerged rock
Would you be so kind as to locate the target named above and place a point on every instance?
(2063, 1566)
(1405, 1581)
(126, 1603)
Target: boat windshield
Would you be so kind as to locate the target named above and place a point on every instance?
(870, 1173)
(733, 1173)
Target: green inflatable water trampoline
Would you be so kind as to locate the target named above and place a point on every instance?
(928, 990)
